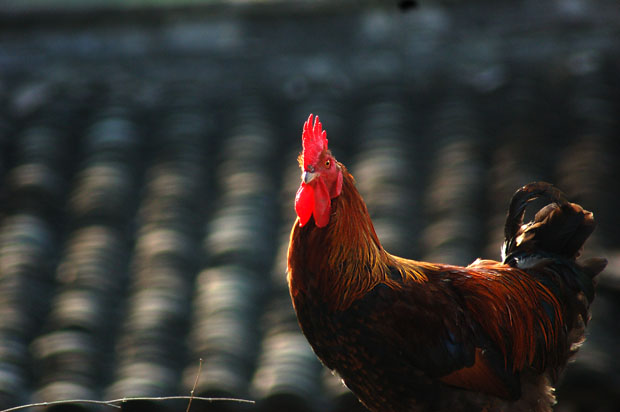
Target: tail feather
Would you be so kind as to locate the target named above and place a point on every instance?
(554, 238)
(520, 200)
(560, 228)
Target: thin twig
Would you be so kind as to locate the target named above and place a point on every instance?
(111, 403)
(52, 403)
(189, 404)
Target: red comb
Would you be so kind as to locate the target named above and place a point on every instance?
(314, 140)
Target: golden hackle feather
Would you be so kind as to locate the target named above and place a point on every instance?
(351, 239)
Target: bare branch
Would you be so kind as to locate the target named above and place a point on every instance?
(112, 403)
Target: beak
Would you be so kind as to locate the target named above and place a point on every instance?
(308, 177)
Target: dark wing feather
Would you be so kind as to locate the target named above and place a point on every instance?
(427, 329)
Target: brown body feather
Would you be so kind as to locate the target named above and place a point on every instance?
(407, 335)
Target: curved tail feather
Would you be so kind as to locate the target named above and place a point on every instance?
(560, 228)
(557, 232)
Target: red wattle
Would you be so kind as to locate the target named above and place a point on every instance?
(304, 203)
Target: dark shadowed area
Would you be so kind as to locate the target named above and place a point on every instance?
(148, 172)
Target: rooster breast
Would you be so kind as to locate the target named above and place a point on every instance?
(347, 343)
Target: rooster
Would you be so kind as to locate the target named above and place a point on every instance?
(407, 335)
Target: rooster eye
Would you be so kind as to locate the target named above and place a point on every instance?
(328, 163)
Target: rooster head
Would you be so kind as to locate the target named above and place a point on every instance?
(321, 176)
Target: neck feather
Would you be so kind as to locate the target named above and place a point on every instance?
(343, 260)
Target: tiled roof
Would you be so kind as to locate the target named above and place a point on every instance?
(148, 174)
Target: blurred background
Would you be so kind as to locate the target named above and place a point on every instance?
(148, 171)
